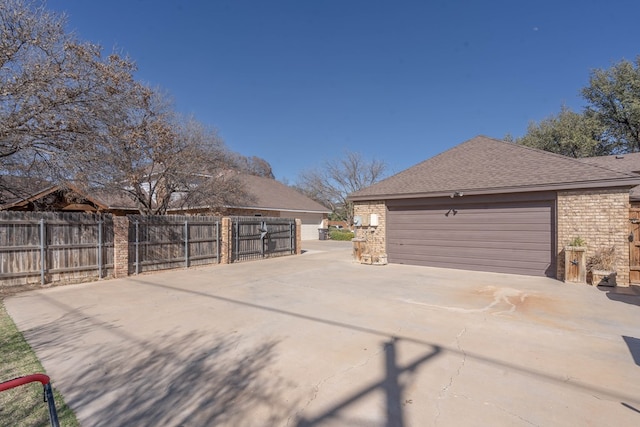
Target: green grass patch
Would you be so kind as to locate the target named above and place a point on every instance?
(24, 405)
(340, 234)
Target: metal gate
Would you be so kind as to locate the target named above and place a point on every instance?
(158, 242)
(261, 237)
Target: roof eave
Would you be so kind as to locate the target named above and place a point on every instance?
(278, 209)
(250, 208)
(611, 183)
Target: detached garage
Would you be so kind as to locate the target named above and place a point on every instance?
(490, 205)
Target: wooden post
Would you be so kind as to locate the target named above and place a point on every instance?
(575, 264)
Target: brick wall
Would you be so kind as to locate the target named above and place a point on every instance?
(225, 240)
(120, 246)
(601, 218)
(298, 236)
(375, 244)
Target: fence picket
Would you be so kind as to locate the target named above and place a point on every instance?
(45, 247)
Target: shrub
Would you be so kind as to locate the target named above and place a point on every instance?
(577, 241)
(335, 234)
(602, 259)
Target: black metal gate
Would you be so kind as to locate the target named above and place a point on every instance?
(261, 237)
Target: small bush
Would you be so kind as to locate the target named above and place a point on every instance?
(577, 241)
(603, 259)
(335, 234)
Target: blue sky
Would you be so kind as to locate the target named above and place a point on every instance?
(300, 82)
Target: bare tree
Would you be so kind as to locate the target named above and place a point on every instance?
(67, 113)
(253, 165)
(49, 81)
(338, 178)
(143, 150)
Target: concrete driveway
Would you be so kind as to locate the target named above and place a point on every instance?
(318, 340)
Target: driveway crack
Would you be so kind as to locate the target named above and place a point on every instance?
(445, 390)
(319, 384)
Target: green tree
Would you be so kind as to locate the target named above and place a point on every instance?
(610, 123)
(567, 133)
(614, 99)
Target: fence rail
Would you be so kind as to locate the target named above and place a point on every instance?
(45, 247)
(163, 242)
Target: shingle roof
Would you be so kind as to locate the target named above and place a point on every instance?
(484, 165)
(266, 193)
(629, 163)
(271, 194)
(15, 189)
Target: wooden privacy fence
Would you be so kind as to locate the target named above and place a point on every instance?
(45, 247)
(261, 237)
(172, 241)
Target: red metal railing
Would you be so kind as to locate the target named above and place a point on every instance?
(48, 392)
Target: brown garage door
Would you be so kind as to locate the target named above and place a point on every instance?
(486, 233)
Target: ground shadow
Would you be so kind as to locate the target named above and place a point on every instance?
(628, 295)
(214, 383)
(391, 386)
(634, 348)
(559, 380)
(218, 380)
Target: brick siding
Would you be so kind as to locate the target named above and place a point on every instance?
(120, 246)
(601, 218)
(374, 237)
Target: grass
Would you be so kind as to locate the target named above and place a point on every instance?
(24, 405)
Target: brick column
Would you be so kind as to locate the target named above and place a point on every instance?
(120, 246)
(298, 236)
(225, 241)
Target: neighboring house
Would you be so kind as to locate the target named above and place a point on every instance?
(491, 205)
(268, 198)
(29, 195)
(273, 198)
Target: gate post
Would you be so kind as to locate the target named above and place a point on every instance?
(226, 243)
(120, 246)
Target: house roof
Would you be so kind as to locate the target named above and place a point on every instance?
(269, 194)
(266, 194)
(629, 163)
(15, 189)
(484, 165)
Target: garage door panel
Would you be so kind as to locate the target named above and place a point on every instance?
(497, 266)
(514, 237)
(461, 261)
(471, 210)
(461, 243)
(479, 236)
(465, 218)
(470, 252)
(473, 227)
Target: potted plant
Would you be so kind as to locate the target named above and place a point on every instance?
(575, 265)
(602, 266)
